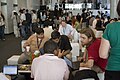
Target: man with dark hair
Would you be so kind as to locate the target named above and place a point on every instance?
(35, 42)
(62, 41)
(50, 58)
(49, 47)
(39, 30)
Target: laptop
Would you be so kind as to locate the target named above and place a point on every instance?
(10, 69)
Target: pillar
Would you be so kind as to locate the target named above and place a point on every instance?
(15, 5)
(0, 5)
(4, 12)
(113, 7)
(29, 4)
(43, 2)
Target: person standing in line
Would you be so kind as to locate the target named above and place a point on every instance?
(15, 18)
(34, 24)
(110, 48)
(2, 26)
(83, 18)
(28, 22)
(57, 70)
(23, 24)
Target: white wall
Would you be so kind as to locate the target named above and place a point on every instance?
(22, 4)
(36, 4)
(6, 10)
(0, 6)
(9, 13)
(113, 6)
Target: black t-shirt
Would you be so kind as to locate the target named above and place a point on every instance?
(28, 17)
(78, 17)
(99, 24)
(84, 16)
(64, 43)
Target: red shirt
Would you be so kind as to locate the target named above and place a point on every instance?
(93, 53)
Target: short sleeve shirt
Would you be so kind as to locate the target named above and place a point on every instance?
(49, 67)
(112, 34)
(64, 43)
(93, 53)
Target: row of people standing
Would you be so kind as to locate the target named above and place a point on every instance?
(23, 21)
(27, 21)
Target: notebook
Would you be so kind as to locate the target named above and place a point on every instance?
(10, 69)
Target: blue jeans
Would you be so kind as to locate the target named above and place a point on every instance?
(23, 32)
(2, 28)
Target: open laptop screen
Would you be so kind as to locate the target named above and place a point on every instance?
(10, 69)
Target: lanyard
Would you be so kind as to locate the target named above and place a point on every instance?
(39, 42)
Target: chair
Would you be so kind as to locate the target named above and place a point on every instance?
(99, 34)
(47, 32)
(75, 49)
(100, 75)
(13, 60)
(22, 43)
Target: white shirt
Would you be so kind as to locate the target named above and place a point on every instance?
(67, 30)
(94, 24)
(23, 17)
(49, 67)
(34, 18)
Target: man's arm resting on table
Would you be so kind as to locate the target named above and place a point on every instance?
(88, 64)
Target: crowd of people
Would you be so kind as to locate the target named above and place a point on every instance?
(69, 28)
(100, 54)
(26, 21)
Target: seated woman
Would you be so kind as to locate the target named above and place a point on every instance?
(93, 64)
(35, 42)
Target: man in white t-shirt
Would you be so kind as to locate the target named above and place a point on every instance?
(49, 66)
(66, 29)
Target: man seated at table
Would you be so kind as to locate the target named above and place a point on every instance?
(49, 66)
(66, 29)
(93, 64)
(35, 42)
(62, 41)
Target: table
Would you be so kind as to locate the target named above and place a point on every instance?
(24, 68)
(74, 64)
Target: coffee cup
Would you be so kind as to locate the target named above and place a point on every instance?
(27, 48)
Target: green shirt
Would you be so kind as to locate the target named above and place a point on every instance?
(112, 34)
